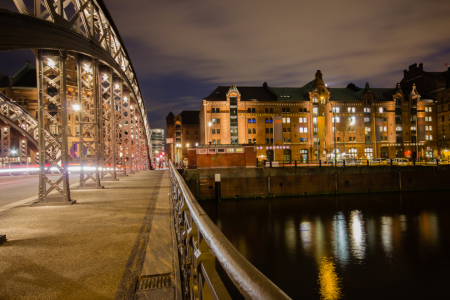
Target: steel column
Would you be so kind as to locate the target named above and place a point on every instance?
(88, 138)
(118, 112)
(5, 137)
(23, 152)
(126, 133)
(52, 111)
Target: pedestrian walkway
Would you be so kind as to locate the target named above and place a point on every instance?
(115, 243)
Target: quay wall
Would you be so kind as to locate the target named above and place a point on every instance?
(290, 181)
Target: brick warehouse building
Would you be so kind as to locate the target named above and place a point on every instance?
(436, 86)
(360, 122)
(183, 131)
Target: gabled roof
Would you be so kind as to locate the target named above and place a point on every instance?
(25, 77)
(289, 94)
(190, 117)
(248, 93)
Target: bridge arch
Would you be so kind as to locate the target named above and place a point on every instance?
(105, 96)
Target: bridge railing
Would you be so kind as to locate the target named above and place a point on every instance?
(201, 243)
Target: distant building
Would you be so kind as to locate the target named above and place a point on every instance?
(21, 87)
(315, 121)
(157, 140)
(183, 131)
(436, 86)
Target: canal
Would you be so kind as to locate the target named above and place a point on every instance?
(371, 246)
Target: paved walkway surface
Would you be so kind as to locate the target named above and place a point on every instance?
(115, 243)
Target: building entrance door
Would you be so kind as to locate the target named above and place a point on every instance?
(304, 156)
(269, 154)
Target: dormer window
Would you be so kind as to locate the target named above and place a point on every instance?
(367, 101)
(315, 100)
(398, 101)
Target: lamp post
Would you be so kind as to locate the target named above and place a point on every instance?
(345, 133)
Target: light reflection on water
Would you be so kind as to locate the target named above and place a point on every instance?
(352, 247)
(328, 280)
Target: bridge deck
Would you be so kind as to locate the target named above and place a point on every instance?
(99, 248)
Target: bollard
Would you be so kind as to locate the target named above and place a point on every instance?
(296, 164)
(414, 162)
(271, 164)
(367, 162)
(343, 163)
(391, 162)
(437, 161)
(320, 163)
(217, 179)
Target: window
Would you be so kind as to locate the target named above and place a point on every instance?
(196, 132)
(315, 129)
(385, 128)
(336, 109)
(284, 120)
(428, 109)
(249, 141)
(351, 109)
(336, 119)
(254, 141)
(266, 109)
(428, 128)
(218, 111)
(367, 109)
(266, 120)
(253, 110)
(381, 110)
(253, 120)
(214, 142)
(398, 128)
(428, 119)
(354, 138)
(349, 138)
(249, 131)
(249, 110)
(288, 120)
(315, 110)
(428, 137)
(271, 110)
(302, 120)
(315, 100)
(213, 121)
(213, 110)
(271, 140)
(323, 101)
(270, 120)
(213, 131)
(289, 140)
(315, 120)
(284, 129)
(352, 151)
(218, 131)
(338, 139)
(303, 129)
(288, 109)
(271, 130)
(413, 128)
(267, 141)
(367, 130)
(267, 130)
(283, 110)
(249, 120)
(368, 152)
(254, 130)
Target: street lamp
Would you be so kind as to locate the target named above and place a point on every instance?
(345, 133)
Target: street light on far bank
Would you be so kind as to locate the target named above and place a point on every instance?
(76, 107)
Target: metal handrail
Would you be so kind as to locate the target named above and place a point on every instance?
(191, 221)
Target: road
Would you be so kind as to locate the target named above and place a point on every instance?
(16, 188)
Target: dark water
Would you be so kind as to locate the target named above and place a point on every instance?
(379, 246)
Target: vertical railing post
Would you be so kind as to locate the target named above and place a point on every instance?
(5, 146)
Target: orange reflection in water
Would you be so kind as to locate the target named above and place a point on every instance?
(329, 282)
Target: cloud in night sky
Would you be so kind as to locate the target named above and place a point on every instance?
(182, 50)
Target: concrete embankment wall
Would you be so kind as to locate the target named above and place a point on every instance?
(290, 181)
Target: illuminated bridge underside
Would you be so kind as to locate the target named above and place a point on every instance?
(80, 34)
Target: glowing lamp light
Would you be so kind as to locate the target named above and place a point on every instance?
(156, 151)
(196, 144)
(187, 145)
(125, 99)
(13, 152)
(131, 107)
(209, 124)
(116, 86)
(76, 107)
(50, 63)
(105, 77)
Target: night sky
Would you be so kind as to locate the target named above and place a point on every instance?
(182, 50)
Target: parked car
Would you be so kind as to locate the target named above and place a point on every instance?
(401, 162)
(441, 162)
(379, 162)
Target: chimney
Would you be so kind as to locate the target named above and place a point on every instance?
(421, 67)
(413, 67)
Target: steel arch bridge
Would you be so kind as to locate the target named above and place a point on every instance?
(83, 72)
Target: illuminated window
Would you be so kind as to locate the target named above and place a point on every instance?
(284, 120)
(288, 120)
(315, 100)
(336, 109)
(381, 110)
(366, 120)
(367, 109)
